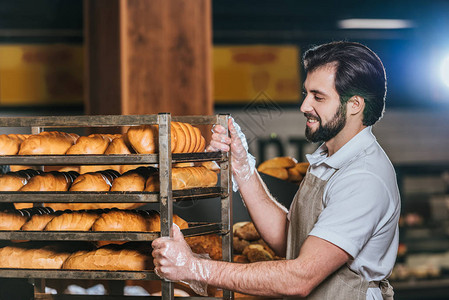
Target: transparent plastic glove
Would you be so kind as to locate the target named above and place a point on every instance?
(243, 163)
(175, 261)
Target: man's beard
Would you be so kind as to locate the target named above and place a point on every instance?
(329, 130)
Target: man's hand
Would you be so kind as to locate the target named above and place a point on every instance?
(175, 261)
(243, 163)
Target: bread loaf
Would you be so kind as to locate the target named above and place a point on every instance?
(73, 221)
(38, 222)
(125, 220)
(50, 182)
(185, 178)
(94, 181)
(13, 181)
(10, 143)
(278, 162)
(12, 220)
(92, 144)
(143, 138)
(119, 145)
(47, 257)
(111, 258)
(47, 142)
(133, 180)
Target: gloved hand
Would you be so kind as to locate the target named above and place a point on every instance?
(174, 260)
(243, 163)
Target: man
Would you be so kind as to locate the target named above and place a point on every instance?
(340, 235)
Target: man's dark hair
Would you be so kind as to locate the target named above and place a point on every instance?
(358, 71)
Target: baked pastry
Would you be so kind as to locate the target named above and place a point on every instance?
(10, 143)
(13, 181)
(210, 244)
(94, 181)
(38, 222)
(48, 142)
(280, 173)
(126, 220)
(112, 258)
(133, 180)
(246, 231)
(47, 257)
(278, 162)
(12, 220)
(50, 182)
(92, 144)
(143, 138)
(185, 178)
(73, 221)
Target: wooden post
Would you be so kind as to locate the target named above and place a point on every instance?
(148, 56)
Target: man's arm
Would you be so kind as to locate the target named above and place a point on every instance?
(316, 261)
(269, 217)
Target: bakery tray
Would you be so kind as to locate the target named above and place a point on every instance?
(100, 121)
(77, 274)
(103, 235)
(108, 197)
(112, 159)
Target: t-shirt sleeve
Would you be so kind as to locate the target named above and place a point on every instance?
(353, 209)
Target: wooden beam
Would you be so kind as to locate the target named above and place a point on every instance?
(146, 57)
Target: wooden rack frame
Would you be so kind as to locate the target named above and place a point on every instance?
(165, 197)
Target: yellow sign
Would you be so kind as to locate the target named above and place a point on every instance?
(241, 73)
(41, 74)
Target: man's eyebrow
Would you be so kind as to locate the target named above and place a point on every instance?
(316, 92)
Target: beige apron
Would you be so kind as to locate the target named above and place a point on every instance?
(343, 283)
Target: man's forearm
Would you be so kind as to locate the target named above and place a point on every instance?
(271, 278)
(269, 216)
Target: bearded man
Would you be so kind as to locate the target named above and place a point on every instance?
(340, 235)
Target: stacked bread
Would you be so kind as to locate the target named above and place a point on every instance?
(77, 256)
(248, 245)
(137, 180)
(44, 218)
(285, 168)
(142, 139)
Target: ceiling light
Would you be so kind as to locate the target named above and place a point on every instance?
(375, 24)
(445, 71)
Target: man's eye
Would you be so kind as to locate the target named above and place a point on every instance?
(318, 98)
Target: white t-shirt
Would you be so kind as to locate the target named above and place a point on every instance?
(361, 205)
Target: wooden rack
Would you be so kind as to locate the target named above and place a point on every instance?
(166, 197)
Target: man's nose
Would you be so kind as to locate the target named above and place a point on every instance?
(305, 106)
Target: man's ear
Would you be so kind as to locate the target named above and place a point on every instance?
(356, 105)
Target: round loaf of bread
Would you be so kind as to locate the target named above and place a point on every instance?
(47, 142)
